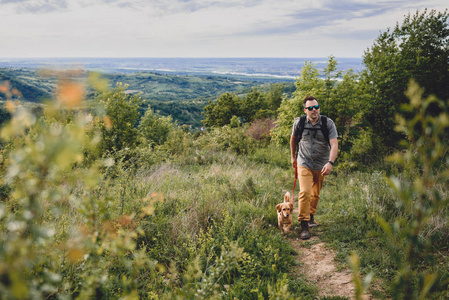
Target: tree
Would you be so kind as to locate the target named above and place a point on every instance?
(253, 106)
(290, 108)
(417, 49)
(5, 116)
(154, 128)
(119, 127)
(274, 96)
(339, 95)
(343, 107)
(221, 112)
(332, 75)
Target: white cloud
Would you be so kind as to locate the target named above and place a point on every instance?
(276, 28)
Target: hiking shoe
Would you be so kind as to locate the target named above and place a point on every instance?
(305, 234)
(312, 222)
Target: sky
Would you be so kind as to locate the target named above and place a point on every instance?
(198, 28)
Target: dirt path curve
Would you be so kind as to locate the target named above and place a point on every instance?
(316, 264)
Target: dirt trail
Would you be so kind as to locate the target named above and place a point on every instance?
(316, 264)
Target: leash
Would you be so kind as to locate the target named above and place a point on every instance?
(294, 184)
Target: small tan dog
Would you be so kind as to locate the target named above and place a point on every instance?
(285, 211)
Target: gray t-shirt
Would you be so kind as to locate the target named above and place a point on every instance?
(314, 150)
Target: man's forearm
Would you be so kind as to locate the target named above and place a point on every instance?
(334, 150)
(293, 146)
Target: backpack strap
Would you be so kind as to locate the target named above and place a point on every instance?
(324, 129)
(301, 124)
(300, 130)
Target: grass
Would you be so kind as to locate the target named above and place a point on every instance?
(348, 212)
(245, 189)
(202, 208)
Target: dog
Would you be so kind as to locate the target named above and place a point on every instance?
(285, 211)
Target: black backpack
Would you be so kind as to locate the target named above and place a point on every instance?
(324, 129)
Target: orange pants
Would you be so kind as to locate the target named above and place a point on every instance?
(310, 184)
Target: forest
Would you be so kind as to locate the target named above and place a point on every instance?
(103, 197)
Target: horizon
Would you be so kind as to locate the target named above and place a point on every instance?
(245, 67)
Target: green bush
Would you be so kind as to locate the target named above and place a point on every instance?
(119, 122)
(227, 138)
(155, 129)
(273, 155)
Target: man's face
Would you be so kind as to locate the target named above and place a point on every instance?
(314, 113)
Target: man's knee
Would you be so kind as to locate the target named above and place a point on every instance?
(305, 195)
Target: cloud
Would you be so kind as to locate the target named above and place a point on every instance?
(36, 6)
(331, 12)
(10, 1)
(347, 19)
(196, 27)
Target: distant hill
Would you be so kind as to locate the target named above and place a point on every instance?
(181, 96)
(162, 87)
(33, 87)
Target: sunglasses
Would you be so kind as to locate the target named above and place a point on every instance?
(310, 108)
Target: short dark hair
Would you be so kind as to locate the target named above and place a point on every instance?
(308, 98)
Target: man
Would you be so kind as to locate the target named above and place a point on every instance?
(315, 159)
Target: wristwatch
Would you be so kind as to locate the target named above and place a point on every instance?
(331, 162)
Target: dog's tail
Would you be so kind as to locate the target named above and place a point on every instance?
(287, 197)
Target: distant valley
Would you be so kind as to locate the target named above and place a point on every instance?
(180, 87)
(182, 97)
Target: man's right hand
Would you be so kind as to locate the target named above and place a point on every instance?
(294, 163)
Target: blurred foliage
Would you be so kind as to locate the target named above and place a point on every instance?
(426, 164)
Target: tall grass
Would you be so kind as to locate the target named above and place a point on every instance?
(205, 211)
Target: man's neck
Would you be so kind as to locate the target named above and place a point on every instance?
(314, 121)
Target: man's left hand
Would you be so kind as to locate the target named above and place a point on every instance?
(327, 169)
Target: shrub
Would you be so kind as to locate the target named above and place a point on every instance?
(155, 129)
(227, 138)
(119, 124)
(260, 130)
